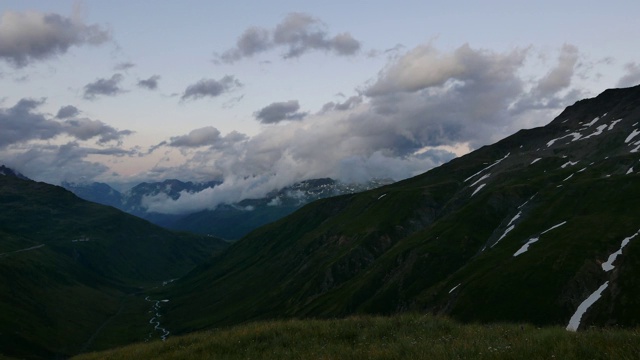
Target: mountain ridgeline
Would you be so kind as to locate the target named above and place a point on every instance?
(542, 227)
(227, 221)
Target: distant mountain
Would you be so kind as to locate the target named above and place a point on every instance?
(542, 227)
(96, 192)
(72, 271)
(228, 221)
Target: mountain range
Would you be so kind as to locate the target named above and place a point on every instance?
(542, 227)
(227, 221)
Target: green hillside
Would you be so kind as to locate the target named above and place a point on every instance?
(72, 272)
(400, 337)
(445, 241)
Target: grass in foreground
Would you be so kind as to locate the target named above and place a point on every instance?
(400, 337)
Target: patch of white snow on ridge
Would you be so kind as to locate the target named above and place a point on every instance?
(568, 177)
(381, 196)
(484, 177)
(630, 171)
(637, 148)
(581, 170)
(592, 121)
(553, 227)
(569, 163)
(535, 161)
(574, 322)
(453, 288)
(633, 134)
(478, 189)
(613, 124)
(525, 247)
(575, 135)
(597, 132)
(608, 265)
(487, 168)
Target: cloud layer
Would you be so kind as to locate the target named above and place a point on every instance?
(33, 36)
(424, 108)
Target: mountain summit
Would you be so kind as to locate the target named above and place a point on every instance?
(541, 227)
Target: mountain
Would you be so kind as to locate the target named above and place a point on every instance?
(541, 227)
(96, 192)
(236, 220)
(227, 221)
(5, 171)
(73, 273)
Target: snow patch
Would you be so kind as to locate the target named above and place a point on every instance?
(608, 265)
(613, 123)
(525, 247)
(487, 168)
(568, 177)
(575, 135)
(599, 131)
(479, 180)
(592, 122)
(535, 161)
(569, 163)
(553, 227)
(381, 196)
(630, 171)
(453, 288)
(633, 134)
(478, 189)
(574, 322)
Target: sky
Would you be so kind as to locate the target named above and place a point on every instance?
(264, 94)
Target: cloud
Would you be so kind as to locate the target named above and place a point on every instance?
(22, 123)
(398, 127)
(57, 163)
(106, 87)
(34, 36)
(348, 104)
(559, 77)
(85, 129)
(632, 76)
(211, 87)
(67, 112)
(297, 34)
(124, 66)
(150, 83)
(279, 111)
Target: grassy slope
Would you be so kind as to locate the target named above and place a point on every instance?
(407, 336)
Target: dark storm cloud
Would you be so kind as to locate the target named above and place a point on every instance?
(106, 87)
(211, 87)
(297, 34)
(280, 111)
(150, 83)
(33, 36)
(67, 112)
(22, 123)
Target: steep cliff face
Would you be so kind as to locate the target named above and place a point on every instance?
(521, 230)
